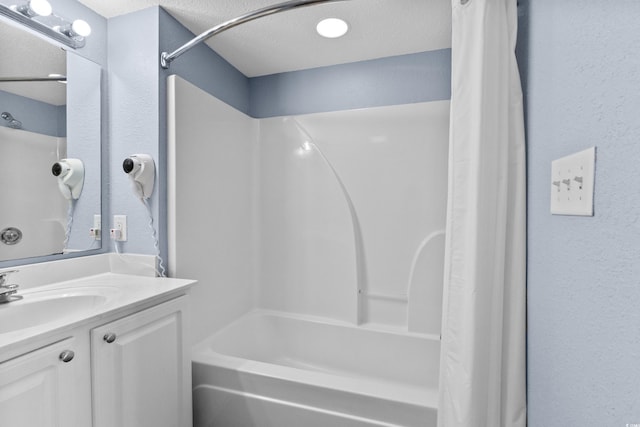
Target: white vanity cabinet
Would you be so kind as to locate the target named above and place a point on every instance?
(115, 355)
(47, 387)
(141, 370)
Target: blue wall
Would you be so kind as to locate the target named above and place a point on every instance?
(85, 95)
(394, 80)
(36, 116)
(583, 89)
(133, 119)
(202, 66)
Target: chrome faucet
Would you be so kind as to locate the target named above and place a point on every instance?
(8, 292)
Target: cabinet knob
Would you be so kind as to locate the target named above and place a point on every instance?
(67, 356)
(109, 337)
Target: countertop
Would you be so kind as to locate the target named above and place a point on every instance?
(104, 297)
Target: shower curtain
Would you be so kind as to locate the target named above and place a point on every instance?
(482, 369)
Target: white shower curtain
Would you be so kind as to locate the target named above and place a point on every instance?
(482, 369)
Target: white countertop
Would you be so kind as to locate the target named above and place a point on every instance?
(114, 294)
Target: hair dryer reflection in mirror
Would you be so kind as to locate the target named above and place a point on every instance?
(70, 173)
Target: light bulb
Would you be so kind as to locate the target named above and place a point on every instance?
(40, 7)
(34, 8)
(77, 30)
(81, 28)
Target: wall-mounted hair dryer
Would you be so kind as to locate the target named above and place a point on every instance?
(142, 171)
(70, 173)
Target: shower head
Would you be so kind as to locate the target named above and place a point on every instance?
(13, 123)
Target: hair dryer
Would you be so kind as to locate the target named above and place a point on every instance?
(142, 171)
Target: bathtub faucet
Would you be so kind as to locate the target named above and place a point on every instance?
(8, 292)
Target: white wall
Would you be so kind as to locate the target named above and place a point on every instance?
(307, 253)
(262, 223)
(211, 173)
(38, 208)
(393, 163)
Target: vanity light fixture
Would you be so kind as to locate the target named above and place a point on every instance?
(38, 15)
(34, 8)
(332, 28)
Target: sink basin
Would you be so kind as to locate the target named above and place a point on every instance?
(42, 307)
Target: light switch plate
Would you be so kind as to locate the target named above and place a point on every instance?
(572, 183)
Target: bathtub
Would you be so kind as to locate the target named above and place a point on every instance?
(270, 369)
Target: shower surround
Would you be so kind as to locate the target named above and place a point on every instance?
(43, 219)
(331, 224)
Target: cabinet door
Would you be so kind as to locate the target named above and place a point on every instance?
(142, 370)
(39, 389)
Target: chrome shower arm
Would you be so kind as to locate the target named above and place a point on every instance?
(167, 58)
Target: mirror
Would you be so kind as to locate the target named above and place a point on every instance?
(50, 104)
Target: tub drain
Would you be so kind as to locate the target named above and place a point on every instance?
(10, 236)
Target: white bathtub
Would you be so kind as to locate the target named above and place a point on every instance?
(271, 369)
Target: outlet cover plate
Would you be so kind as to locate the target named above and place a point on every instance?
(572, 183)
(120, 223)
(97, 225)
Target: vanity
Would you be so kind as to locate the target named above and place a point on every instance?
(96, 340)
(102, 350)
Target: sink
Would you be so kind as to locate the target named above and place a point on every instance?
(42, 307)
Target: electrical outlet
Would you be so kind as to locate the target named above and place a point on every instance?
(96, 230)
(572, 183)
(120, 228)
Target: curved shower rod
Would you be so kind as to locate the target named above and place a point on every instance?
(167, 58)
(59, 78)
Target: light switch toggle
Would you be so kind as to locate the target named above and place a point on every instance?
(578, 179)
(572, 183)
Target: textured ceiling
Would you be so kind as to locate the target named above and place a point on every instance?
(288, 41)
(26, 55)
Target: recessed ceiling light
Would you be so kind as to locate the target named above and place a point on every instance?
(332, 28)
